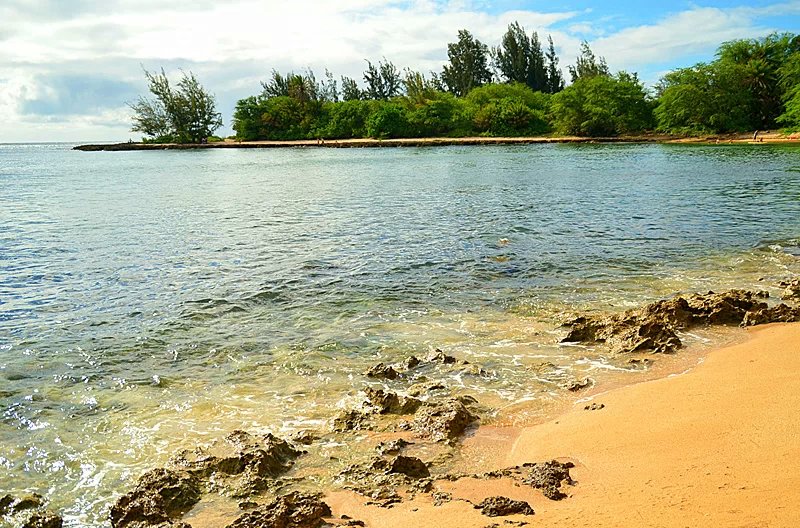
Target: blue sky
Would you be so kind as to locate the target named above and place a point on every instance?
(67, 69)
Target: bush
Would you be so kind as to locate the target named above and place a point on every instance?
(388, 121)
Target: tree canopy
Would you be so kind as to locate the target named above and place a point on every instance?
(183, 114)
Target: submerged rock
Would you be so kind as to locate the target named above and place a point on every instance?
(654, 327)
(548, 477)
(242, 464)
(442, 421)
(295, 510)
(392, 447)
(28, 512)
(382, 371)
(791, 291)
(386, 402)
(160, 497)
(502, 506)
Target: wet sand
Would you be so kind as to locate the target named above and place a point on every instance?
(716, 446)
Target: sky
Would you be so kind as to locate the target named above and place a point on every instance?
(69, 68)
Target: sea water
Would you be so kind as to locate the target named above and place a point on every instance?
(151, 301)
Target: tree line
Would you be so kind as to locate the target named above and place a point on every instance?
(514, 89)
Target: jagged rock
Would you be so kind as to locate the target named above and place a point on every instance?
(502, 506)
(28, 512)
(409, 466)
(295, 510)
(160, 497)
(441, 497)
(420, 389)
(382, 371)
(412, 362)
(42, 519)
(242, 464)
(791, 291)
(351, 420)
(392, 447)
(654, 326)
(390, 403)
(442, 421)
(548, 477)
(778, 314)
(578, 385)
(437, 356)
(304, 437)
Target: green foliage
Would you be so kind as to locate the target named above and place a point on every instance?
(520, 59)
(748, 87)
(468, 65)
(602, 105)
(555, 79)
(184, 114)
(588, 65)
(348, 119)
(383, 81)
(387, 121)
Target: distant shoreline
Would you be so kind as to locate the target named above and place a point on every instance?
(767, 137)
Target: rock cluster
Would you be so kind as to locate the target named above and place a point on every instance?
(654, 327)
(28, 512)
(294, 510)
(502, 506)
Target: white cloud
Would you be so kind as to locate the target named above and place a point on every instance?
(233, 44)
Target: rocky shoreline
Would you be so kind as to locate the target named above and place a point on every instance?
(419, 429)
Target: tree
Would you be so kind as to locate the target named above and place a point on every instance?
(184, 114)
(602, 105)
(587, 64)
(383, 81)
(519, 58)
(468, 65)
(555, 79)
(350, 90)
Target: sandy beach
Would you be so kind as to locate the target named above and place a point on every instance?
(716, 446)
(738, 139)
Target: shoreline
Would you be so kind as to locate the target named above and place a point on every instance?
(737, 139)
(714, 446)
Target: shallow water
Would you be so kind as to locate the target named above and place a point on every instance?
(153, 300)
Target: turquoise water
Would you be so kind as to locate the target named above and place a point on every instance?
(151, 300)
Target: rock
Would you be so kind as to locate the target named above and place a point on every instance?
(354, 522)
(392, 447)
(28, 502)
(442, 421)
(390, 403)
(578, 385)
(28, 512)
(594, 407)
(410, 466)
(548, 477)
(43, 519)
(350, 421)
(242, 464)
(412, 362)
(160, 496)
(441, 497)
(792, 290)
(654, 326)
(419, 389)
(778, 314)
(502, 506)
(304, 437)
(295, 510)
(382, 371)
(437, 356)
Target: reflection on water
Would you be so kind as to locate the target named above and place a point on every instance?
(151, 300)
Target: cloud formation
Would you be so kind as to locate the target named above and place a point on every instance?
(68, 68)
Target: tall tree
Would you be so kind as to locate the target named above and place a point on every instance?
(383, 80)
(350, 90)
(468, 65)
(588, 65)
(184, 114)
(519, 58)
(555, 79)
